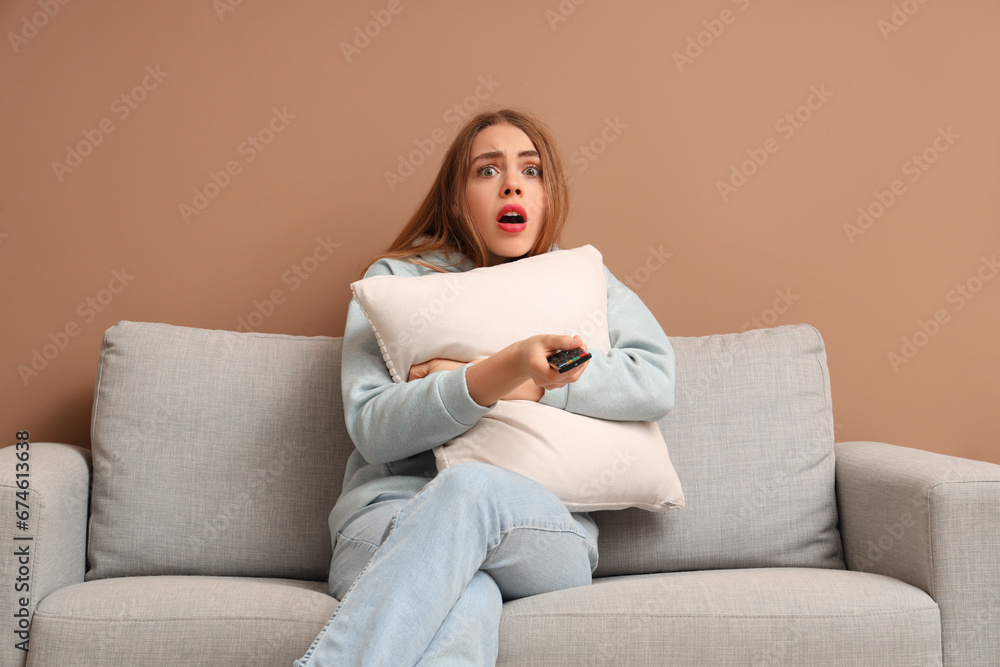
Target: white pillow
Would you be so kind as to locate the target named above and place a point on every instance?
(473, 314)
(589, 463)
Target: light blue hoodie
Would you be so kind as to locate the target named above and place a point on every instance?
(394, 426)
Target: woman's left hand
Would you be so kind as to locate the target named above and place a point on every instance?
(418, 371)
(526, 392)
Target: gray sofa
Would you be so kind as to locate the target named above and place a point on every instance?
(195, 531)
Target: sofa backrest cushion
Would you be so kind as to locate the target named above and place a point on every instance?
(751, 438)
(222, 453)
(215, 453)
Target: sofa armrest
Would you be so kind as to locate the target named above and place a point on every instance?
(51, 552)
(932, 521)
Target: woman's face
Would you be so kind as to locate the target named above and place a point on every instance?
(504, 191)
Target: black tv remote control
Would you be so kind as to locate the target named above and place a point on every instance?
(567, 360)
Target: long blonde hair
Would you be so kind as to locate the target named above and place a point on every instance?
(443, 221)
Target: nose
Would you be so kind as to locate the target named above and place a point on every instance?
(512, 186)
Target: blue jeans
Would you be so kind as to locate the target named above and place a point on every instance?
(422, 579)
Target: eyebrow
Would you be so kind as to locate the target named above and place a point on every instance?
(493, 155)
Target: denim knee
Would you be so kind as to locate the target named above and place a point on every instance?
(490, 484)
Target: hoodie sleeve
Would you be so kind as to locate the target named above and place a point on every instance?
(390, 421)
(634, 381)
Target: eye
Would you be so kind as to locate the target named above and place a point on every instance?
(488, 171)
(533, 171)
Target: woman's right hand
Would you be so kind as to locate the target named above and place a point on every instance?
(498, 375)
(534, 364)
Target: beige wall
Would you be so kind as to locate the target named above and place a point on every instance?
(885, 106)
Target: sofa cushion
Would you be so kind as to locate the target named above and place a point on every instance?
(778, 616)
(751, 438)
(753, 617)
(215, 453)
(180, 622)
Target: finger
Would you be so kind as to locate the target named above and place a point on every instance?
(574, 374)
(560, 341)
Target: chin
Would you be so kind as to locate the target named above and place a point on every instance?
(510, 253)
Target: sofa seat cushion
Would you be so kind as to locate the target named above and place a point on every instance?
(774, 616)
(179, 621)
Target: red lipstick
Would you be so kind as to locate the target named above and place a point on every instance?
(512, 218)
(512, 208)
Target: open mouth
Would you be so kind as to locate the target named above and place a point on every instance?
(512, 218)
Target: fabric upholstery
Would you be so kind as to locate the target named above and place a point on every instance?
(751, 439)
(778, 616)
(214, 453)
(179, 621)
(774, 616)
(750, 434)
(58, 490)
(932, 521)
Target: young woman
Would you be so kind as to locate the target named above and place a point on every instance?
(423, 560)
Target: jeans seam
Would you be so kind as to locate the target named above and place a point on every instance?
(336, 612)
(353, 540)
(574, 531)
